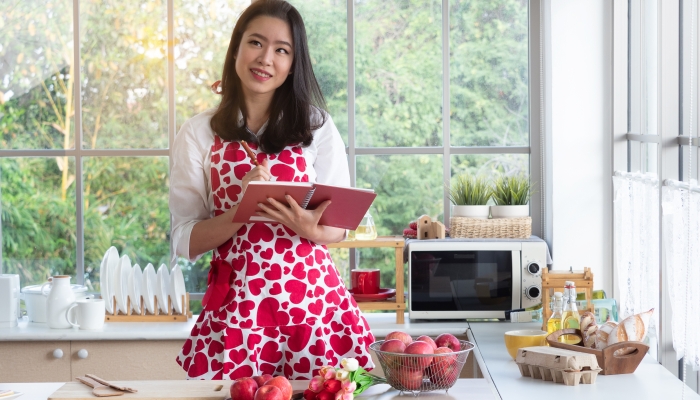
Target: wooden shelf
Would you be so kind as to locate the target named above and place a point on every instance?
(397, 242)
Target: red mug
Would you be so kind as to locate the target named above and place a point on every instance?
(365, 281)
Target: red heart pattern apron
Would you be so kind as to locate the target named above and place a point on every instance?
(286, 311)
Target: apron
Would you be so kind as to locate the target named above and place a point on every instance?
(275, 303)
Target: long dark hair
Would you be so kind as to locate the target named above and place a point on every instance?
(296, 108)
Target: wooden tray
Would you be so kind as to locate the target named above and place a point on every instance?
(607, 360)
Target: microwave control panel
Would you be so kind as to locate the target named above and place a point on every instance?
(533, 258)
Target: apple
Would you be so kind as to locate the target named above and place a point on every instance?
(444, 369)
(427, 339)
(283, 385)
(392, 346)
(402, 336)
(244, 389)
(420, 347)
(449, 341)
(261, 379)
(407, 378)
(268, 392)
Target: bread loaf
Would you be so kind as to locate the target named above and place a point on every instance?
(588, 329)
(633, 328)
(602, 334)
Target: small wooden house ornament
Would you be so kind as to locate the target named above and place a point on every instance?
(427, 229)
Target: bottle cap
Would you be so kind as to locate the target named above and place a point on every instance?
(558, 294)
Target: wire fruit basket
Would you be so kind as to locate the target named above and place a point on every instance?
(418, 373)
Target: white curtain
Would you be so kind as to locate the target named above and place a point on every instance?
(636, 259)
(681, 224)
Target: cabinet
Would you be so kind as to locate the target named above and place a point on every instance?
(397, 242)
(35, 361)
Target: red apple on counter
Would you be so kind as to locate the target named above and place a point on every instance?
(419, 347)
(261, 379)
(282, 384)
(444, 369)
(392, 346)
(408, 378)
(449, 341)
(268, 392)
(244, 389)
(402, 336)
(427, 339)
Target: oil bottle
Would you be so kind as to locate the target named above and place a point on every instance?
(554, 322)
(570, 317)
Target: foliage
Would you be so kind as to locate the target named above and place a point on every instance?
(512, 190)
(470, 191)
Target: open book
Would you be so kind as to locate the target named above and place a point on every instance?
(348, 204)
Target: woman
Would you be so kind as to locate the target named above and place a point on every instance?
(274, 303)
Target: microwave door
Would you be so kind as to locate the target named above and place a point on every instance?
(517, 281)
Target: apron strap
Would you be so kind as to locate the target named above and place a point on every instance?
(219, 282)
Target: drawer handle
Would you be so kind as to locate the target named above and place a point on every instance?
(58, 353)
(82, 353)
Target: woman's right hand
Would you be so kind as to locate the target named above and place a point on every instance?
(259, 173)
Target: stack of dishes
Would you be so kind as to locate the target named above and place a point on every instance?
(128, 284)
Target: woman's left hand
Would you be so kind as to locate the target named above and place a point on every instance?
(303, 222)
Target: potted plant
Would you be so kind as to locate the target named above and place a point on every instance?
(511, 195)
(469, 196)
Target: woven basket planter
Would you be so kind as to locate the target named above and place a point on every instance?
(506, 228)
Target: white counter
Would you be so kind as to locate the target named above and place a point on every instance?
(381, 325)
(650, 381)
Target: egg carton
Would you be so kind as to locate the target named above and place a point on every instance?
(557, 365)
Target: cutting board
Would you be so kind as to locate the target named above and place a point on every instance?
(159, 390)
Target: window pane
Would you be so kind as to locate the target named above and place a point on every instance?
(326, 29)
(123, 56)
(407, 187)
(202, 34)
(489, 73)
(38, 217)
(643, 61)
(398, 75)
(36, 81)
(126, 206)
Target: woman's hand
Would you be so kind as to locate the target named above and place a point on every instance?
(259, 173)
(303, 222)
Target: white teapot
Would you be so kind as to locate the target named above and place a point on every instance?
(60, 298)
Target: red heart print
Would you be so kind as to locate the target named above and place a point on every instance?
(285, 304)
(200, 346)
(287, 370)
(336, 326)
(331, 278)
(260, 232)
(313, 275)
(289, 257)
(301, 164)
(187, 347)
(266, 254)
(296, 290)
(332, 297)
(215, 347)
(297, 314)
(253, 269)
(241, 372)
(319, 363)
(344, 304)
(266, 368)
(318, 349)
(275, 273)
(304, 248)
(287, 270)
(240, 170)
(225, 169)
(329, 315)
(282, 244)
(256, 285)
(253, 340)
(299, 336)
(341, 344)
(320, 255)
(233, 338)
(362, 360)
(316, 307)
(257, 248)
(358, 350)
(269, 314)
(270, 352)
(309, 260)
(288, 355)
(319, 291)
(309, 294)
(326, 330)
(298, 271)
(247, 324)
(245, 307)
(286, 157)
(207, 340)
(253, 358)
(282, 172)
(303, 366)
(238, 356)
(275, 290)
(346, 330)
(199, 366)
(227, 180)
(271, 332)
(216, 365)
(215, 183)
(232, 192)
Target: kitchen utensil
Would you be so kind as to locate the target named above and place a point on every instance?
(135, 279)
(9, 300)
(523, 338)
(608, 361)
(121, 283)
(90, 314)
(177, 288)
(365, 281)
(159, 390)
(35, 301)
(60, 297)
(112, 385)
(148, 289)
(99, 389)
(422, 372)
(162, 288)
(109, 261)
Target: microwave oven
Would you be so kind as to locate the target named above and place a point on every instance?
(452, 279)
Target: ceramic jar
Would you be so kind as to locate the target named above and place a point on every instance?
(60, 298)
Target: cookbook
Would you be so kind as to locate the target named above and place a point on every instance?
(348, 204)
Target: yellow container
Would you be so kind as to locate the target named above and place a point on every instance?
(523, 338)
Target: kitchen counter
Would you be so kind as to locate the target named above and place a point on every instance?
(380, 323)
(478, 389)
(650, 381)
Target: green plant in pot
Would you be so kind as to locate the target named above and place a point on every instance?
(469, 196)
(511, 195)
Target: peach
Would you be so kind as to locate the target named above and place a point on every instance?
(419, 347)
(427, 339)
(449, 341)
(282, 384)
(261, 379)
(402, 336)
(268, 392)
(244, 389)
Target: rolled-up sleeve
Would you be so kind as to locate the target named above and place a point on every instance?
(188, 201)
(331, 162)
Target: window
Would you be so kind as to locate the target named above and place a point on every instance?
(420, 90)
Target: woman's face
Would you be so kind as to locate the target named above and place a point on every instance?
(265, 56)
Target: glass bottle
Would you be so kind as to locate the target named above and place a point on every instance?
(554, 322)
(570, 317)
(366, 230)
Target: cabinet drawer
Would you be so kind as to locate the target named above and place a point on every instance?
(35, 361)
(127, 359)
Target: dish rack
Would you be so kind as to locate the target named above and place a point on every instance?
(158, 316)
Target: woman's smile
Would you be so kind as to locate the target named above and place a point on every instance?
(260, 74)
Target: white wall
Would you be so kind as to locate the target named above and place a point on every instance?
(581, 68)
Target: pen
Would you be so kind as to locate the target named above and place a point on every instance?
(250, 153)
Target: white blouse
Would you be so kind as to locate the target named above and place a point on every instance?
(191, 198)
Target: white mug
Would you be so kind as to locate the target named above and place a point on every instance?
(90, 314)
